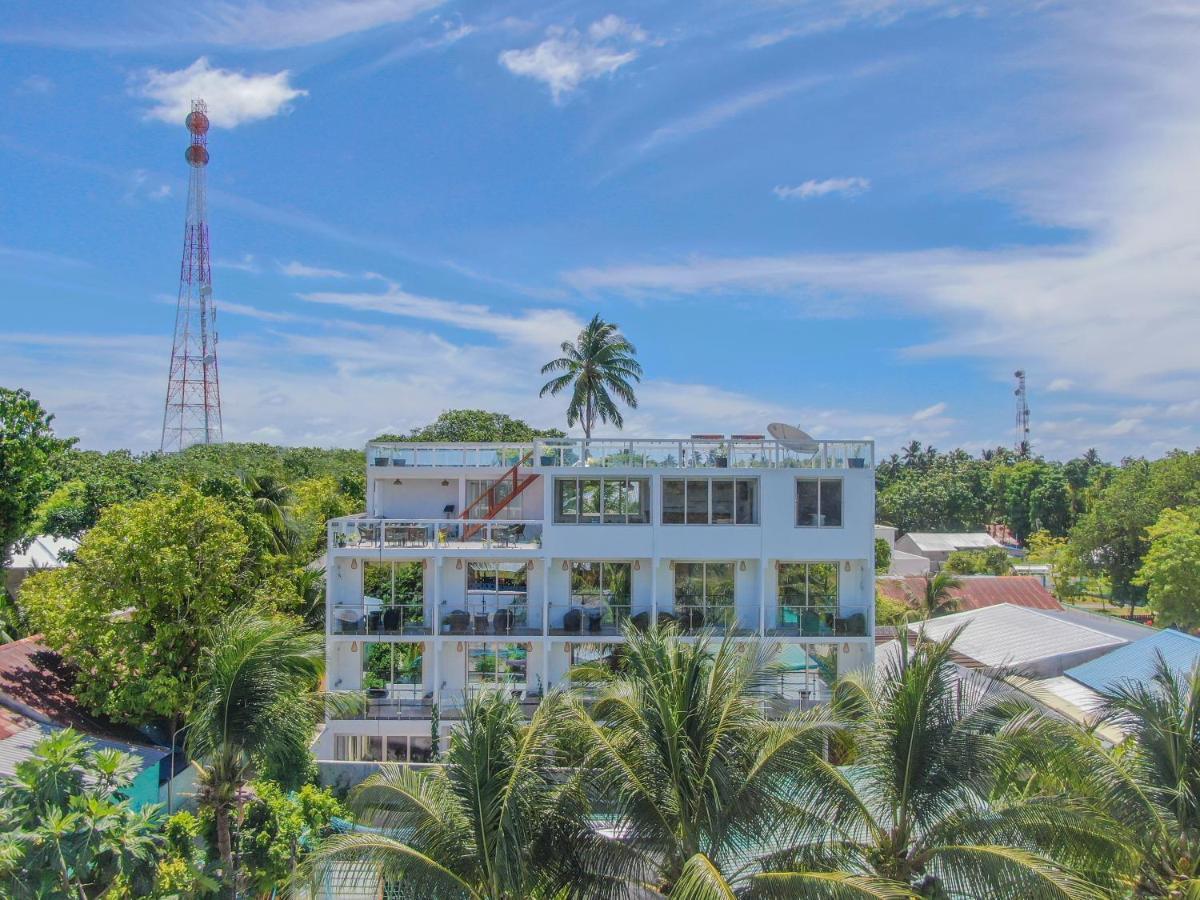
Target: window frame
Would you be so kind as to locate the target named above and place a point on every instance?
(819, 481)
(709, 481)
(602, 485)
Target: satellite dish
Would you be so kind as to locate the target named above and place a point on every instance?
(793, 438)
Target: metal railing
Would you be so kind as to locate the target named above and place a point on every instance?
(681, 453)
(720, 618)
(361, 532)
(492, 618)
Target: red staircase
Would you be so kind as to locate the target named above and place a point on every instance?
(519, 483)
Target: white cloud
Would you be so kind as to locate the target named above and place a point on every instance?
(36, 84)
(1057, 385)
(568, 57)
(233, 98)
(809, 18)
(850, 187)
(295, 269)
(929, 412)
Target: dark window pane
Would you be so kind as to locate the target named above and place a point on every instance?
(672, 502)
(697, 501)
(745, 501)
(689, 584)
(566, 508)
(616, 582)
(589, 500)
(637, 500)
(722, 502)
(806, 501)
(719, 583)
(585, 578)
(614, 499)
(792, 586)
(823, 584)
(831, 502)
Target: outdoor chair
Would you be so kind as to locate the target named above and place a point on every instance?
(573, 619)
(458, 621)
(503, 621)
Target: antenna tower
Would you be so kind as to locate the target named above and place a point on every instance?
(1022, 442)
(192, 413)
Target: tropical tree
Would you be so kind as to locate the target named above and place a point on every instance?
(1171, 567)
(920, 799)
(67, 829)
(495, 821)
(255, 711)
(272, 496)
(597, 365)
(694, 777)
(27, 449)
(937, 598)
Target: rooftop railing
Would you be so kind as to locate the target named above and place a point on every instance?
(608, 453)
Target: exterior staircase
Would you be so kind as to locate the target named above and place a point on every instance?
(495, 504)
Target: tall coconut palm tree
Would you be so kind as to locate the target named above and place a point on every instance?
(255, 710)
(937, 599)
(495, 821)
(920, 797)
(697, 781)
(597, 365)
(272, 498)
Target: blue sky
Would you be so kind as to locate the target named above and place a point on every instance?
(859, 216)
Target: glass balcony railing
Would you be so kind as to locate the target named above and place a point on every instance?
(741, 452)
(719, 618)
(817, 621)
(493, 618)
(603, 619)
(478, 534)
(377, 618)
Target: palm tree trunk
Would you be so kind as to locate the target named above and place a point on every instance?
(225, 845)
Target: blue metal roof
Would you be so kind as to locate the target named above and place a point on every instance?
(1137, 661)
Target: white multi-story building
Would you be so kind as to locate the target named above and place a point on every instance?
(479, 565)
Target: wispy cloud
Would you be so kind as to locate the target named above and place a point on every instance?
(541, 328)
(809, 17)
(37, 85)
(267, 24)
(233, 98)
(296, 269)
(247, 263)
(569, 57)
(849, 187)
(929, 412)
(722, 111)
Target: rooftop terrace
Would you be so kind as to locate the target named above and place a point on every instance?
(698, 451)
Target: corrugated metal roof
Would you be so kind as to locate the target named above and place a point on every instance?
(949, 541)
(1013, 636)
(1137, 661)
(19, 746)
(42, 553)
(1117, 626)
(975, 591)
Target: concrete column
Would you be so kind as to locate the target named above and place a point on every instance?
(762, 596)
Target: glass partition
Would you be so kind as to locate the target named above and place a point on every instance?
(704, 595)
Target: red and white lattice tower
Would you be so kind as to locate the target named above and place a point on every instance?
(192, 414)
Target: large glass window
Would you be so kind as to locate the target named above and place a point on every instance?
(704, 595)
(393, 670)
(819, 502)
(497, 664)
(498, 500)
(358, 748)
(393, 598)
(611, 501)
(497, 600)
(710, 501)
(808, 597)
(601, 593)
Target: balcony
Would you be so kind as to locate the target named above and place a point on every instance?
(687, 453)
(717, 618)
(817, 621)
(360, 532)
(503, 614)
(582, 619)
(373, 617)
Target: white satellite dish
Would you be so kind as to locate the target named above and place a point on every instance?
(793, 438)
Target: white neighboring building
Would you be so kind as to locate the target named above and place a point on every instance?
(42, 553)
(563, 542)
(937, 546)
(902, 563)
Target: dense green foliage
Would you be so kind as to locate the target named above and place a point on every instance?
(992, 561)
(67, 831)
(28, 449)
(476, 425)
(1170, 571)
(883, 556)
(598, 365)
